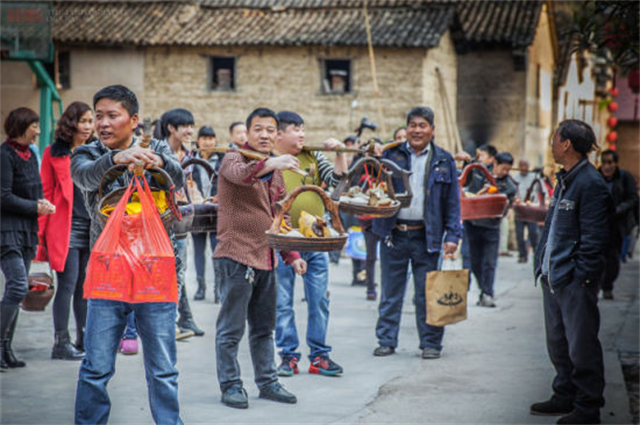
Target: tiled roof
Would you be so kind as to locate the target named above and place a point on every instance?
(394, 23)
(496, 22)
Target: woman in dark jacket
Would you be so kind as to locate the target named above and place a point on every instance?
(21, 203)
(64, 236)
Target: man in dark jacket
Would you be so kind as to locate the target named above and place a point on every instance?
(116, 110)
(417, 234)
(625, 199)
(569, 263)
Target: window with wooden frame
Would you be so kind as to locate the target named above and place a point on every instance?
(336, 76)
(222, 73)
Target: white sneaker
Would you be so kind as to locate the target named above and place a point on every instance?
(486, 301)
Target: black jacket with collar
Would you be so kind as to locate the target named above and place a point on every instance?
(583, 228)
(625, 200)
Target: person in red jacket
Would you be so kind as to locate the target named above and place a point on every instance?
(64, 236)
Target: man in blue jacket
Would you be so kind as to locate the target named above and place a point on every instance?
(417, 234)
(569, 263)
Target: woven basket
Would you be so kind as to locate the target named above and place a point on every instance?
(38, 300)
(481, 206)
(112, 198)
(386, 169)
(532, 213)
(205, 215)
(302, 244)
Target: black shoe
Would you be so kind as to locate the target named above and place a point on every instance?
(550, 408)
(276, 392)
(199, 295)
(607, 295)
(63, 349)
(235, 397)
(190, 325)
(578, 417)
(430, 353)
(382, 351)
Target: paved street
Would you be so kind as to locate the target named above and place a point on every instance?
(494, 365)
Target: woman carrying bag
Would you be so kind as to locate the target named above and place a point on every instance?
(64, 236)
(21, 203)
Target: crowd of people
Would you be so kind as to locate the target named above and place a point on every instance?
(48, 213)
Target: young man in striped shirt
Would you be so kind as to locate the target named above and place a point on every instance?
(290, 140)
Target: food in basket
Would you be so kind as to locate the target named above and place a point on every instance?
(134, 207)
(375, 196)
(310, 227)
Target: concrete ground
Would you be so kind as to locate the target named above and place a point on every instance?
(494, 365)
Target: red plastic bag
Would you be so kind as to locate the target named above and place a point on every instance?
(133, 259)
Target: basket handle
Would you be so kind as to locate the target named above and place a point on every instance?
(540, 191)
(404, 174)
(347, 179)
(285, 205)
(117, 170)
(465, 173)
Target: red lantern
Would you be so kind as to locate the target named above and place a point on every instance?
(612, 137)
(612, 122)
(613, 147)
(614, 91)
(613, 106)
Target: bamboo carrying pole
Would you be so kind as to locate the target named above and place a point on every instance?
(372, 61)
(249, 154)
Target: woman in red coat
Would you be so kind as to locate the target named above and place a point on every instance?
(64, 236)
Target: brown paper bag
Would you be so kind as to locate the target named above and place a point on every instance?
(446, 292)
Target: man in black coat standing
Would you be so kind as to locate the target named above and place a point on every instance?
(625, 200)
(569, 263)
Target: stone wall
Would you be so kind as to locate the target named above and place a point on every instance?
(444, 59)
(284, 78)
(491, 99)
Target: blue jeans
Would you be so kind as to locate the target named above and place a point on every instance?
(484, 243)
(408, 247)
(316, 281)
(106, 320)
(130, 331)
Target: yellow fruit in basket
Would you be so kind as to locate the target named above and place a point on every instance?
(134, 207)
(313, 226)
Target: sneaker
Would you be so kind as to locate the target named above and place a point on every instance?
(383, 351)
(430, 353)
(276, 392)
(578, 417)
(323, 365)
(288, 367)
(183, 333)
(235, 397)
(486, 301)
(522, 260)
(550, 408)
(129, 346)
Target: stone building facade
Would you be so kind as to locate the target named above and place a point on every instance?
(156, 53)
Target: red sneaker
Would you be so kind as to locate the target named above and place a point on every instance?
(288, 367)
(323, 365)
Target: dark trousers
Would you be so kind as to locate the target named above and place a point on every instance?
(15, 263)
(71, 283)
(532, 229)
(371, 243)
(612, 265)
(246, 295)
(199, 246)
(407, 247)
(484, 243)
(572, 321)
